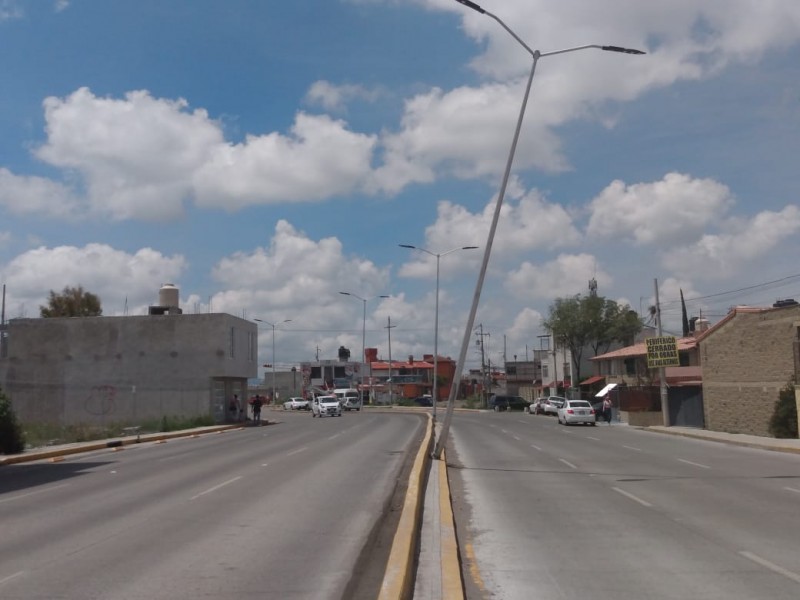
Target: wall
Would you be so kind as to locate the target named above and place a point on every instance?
(111, 369)
(746, 361)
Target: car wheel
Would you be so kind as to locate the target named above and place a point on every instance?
(593, 424)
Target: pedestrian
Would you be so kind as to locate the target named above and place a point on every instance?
(235, 408)
(257, 403)
(607, 410)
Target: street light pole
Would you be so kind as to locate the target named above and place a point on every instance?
(273, 353)
(536, 55)
(364, 333)
(436, 318)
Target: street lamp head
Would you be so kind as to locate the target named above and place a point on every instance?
(345, 293)
(622, 50)
(407, 246)
(469, 247)
(471, 5)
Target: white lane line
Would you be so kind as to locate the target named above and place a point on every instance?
(10, 577)
(771, 566)
(333, 437)
(694, 464)
(264, 464)
(632, 448)
(588, 437)
(517, 438)
(535, 447)
(55, 487)
(632, 497)
(569, 464)
(216, 487)
(293, 452)
(788, 489)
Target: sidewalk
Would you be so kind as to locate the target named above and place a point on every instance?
(739, 439)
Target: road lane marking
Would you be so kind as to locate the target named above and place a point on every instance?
(293, 452)
(55, 487)
(632, 448)
(216, 487)
(771, 566)
(535, 447)
(517, 438)
(10, 577)
(333, 437)
(694, 464)
(569, 464)
(632, 497)
(588, 437)
(788, 489)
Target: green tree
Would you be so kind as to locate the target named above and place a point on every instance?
(12, 438)
(72, 302)
(783, 423)
(595, 322)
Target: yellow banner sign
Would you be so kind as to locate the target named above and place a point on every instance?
(662, 352)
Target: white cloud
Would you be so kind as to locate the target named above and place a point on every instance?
(113, 275)
(675, 209)
(36, 195)
(567, 275)
(335, 98)
(717, 256)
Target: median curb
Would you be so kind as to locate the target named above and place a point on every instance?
(398, 579)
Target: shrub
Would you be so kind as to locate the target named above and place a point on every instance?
(12, 439)
(783, 423)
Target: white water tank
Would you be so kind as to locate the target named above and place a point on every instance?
(168, 296)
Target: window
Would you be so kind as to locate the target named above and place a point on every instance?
(251, 345)
(545, 372)
(233, 343)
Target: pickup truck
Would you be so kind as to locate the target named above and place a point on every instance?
(326, 406)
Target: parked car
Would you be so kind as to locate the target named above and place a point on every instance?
(424, 400)
(296, 404)
(508, 403)
(552, 404)
(537, 407)
(326, 406)
(576, 411)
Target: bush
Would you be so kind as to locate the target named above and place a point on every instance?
(783, 423)
(12, 439)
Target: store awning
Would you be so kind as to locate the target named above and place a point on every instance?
(605, 390)
(594, 379)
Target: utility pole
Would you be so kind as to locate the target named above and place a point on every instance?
(389, 328)
(661, 371)
(484, 393)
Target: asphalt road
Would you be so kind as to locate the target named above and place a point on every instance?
(545, 511)
(300, 509)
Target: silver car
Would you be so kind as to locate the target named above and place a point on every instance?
(576, 411)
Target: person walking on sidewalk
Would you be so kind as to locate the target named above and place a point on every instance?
(607, 410)
(257, 409)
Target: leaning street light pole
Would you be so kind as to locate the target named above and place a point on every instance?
(438, 256)
(536, 55)
(273, 353)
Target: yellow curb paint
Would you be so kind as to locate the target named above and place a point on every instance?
(452, 588)
(399, 577)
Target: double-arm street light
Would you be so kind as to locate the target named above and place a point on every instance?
(364, 332)
(536, 55)
(438, 256)
(273, 353)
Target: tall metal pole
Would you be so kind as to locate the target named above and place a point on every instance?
(273, 353)
(436, 319)
(661, 371)
(364, 336)
(535, 54)
(389, 327)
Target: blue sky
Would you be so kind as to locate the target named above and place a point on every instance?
(264, 156)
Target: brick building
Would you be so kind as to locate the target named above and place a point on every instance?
(747, 358)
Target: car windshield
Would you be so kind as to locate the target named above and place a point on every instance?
(580, 404)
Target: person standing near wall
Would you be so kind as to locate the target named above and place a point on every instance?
(607, 409)
(235, 408)
(257, 409)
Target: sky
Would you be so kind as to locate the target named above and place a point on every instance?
(264, 156)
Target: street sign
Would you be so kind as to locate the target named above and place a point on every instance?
(662, 352)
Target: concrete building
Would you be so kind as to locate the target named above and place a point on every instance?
(103, 370)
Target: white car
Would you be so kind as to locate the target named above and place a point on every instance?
(326, 406)
(296, 404)
(576, 411)
(552, 404)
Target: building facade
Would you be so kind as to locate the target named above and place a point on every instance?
(127, 369)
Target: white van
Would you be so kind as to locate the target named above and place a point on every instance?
(325, 406)
(349, 398)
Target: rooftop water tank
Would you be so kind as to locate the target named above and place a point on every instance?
(168, 296)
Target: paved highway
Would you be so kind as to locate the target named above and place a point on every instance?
(300, 509)
(545, 511)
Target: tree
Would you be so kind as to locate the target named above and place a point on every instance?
(783, 423)
(579, 322)
(72, 302)
(12, 438)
